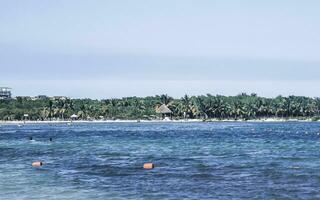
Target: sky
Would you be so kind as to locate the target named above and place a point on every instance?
(109, 49)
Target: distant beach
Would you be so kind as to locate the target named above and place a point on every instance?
(154, 121)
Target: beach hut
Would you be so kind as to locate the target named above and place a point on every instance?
(74, 117)
(164, 111)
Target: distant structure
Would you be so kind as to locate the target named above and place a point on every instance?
(74, 117)
(59, 98)
(5, 93)
(164, 111)
(24, 97)
(41, 97)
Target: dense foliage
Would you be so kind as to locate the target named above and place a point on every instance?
(202, 107)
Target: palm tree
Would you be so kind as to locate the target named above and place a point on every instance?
(45, 113)
(165, 99)
(200, 107)
(187, 106)
(51, 109)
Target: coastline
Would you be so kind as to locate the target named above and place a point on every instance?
(270, 120)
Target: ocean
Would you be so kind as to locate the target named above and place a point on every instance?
(222, 160)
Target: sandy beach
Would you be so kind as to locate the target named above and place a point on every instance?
(153, 121)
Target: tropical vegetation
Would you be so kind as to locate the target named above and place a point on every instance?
(204, 107)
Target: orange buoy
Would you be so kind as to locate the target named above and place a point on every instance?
(37, 164)
(148, 166)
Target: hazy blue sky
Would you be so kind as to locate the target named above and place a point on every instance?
(121, 48)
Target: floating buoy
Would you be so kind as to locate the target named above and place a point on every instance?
(148, 166)
(37, 164)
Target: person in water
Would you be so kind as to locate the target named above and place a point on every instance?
(50, 139)
(30, 138)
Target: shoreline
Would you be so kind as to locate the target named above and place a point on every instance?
(266, 120)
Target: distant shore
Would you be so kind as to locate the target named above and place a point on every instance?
(15, 122)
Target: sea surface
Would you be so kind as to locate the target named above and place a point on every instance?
(193, 161)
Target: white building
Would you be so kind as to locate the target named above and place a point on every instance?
(5, 93)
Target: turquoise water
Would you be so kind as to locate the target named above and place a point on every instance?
(193, 161)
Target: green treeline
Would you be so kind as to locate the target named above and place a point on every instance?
(201, 107)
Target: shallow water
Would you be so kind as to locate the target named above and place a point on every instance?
(193, 161)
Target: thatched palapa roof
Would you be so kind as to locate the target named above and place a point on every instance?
(163, 109)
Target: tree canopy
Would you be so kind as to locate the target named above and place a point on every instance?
(208, 106)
